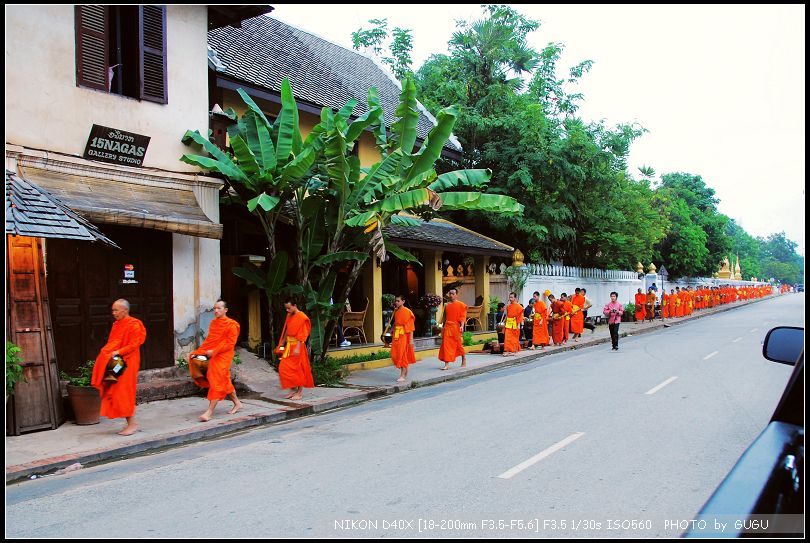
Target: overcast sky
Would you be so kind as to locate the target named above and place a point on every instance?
(720, 88)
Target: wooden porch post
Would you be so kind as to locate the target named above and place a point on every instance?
(372, 287)
(254, 318)
(433, 275)
(482, 280)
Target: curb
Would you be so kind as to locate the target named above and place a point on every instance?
(46, 465)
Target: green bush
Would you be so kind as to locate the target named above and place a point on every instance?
(182, 363)
(388, 301)
(83, 377)
(630, 309)
(14, 369)
(493, 304)
(330, 372)
(467, 338)
(354, 359)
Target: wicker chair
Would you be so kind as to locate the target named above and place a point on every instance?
(474, 315)
(353, 320)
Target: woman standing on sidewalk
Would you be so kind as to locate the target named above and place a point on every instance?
(614, 311)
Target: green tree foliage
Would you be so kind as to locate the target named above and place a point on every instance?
(692, 208)
(779, 259)
(399, 59)
(748, 248)
(337, 208)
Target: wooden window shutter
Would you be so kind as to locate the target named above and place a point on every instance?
(152, 53)
(92, 57)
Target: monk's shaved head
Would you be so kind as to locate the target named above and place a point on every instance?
(120, 309)
(122, 302)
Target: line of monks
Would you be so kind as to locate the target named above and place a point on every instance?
(681, 302)
(209, 365)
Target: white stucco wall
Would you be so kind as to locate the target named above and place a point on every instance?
(45, 109)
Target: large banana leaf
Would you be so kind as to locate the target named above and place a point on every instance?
(379, 176)
(346, 111)
(432, 148)
(224, 164)
(405, 128)
(289, 134)
(361, 219)
(403, 201)
(251, 274)
(400, 253)
(314, 236)
(340, 256)
(363, 122)
(300, 166)
(480, 202)
(378, 126)
(400, 220)
(258, 139)
(254, 108)
(276, 272)
(246, 158)
(264, 200)
(461, 178)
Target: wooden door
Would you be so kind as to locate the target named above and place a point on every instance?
(86, 278)
(37, 401)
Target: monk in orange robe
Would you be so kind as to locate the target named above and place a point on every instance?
(455, 318)
(219, 348)
(577, 317)
(126, 337)
(514, 318)
(664, 304)
(640, 300)
(294, 370)
(568, 308)
(649, 307)
(678, 302)
(540, 324)
(402, 343)
(557, 320)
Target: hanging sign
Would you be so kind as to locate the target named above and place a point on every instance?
(116, 146)
(129, 274)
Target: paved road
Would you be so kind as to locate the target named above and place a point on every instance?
(591, 439)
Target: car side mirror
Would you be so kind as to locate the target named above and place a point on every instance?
(784, 344)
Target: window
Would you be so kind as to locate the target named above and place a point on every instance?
(122, 50)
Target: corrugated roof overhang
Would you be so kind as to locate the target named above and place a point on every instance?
(108, 201)
(440, 234)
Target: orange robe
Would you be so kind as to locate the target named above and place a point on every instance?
(557, 322)
(514, 318)
(540, 328)
(118, 399)
(294, 371)
(678, 304)
(222, 336)
(455, 314)
(568, 308)
(664, 305)
(641, 299)
(650, 307)
(577, 318)
(401, 347)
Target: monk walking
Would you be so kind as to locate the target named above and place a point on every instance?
(455, 318)
(557, 320)
(294, 370)
(514, 318)
(568, 309)
(650, 304)
(641, 300)
(218, 347)
(540, 324)
(126, 337)
(402, 343)
(577, 316)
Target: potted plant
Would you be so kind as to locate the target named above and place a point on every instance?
(493, 309)
(84, 398)
(629, 312)
(14, 368)
(431, 303)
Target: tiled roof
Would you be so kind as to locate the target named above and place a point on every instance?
(440, 234)
(264, 51)
(31, 211)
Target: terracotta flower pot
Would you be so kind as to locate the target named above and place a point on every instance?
(86, 402)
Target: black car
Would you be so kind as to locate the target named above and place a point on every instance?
(763, 495)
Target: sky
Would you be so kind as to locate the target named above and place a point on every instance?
(720, 89)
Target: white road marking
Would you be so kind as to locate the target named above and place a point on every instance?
(536, 458)
(753, 330)
(662, 385)
(708, 356)
(736, 340)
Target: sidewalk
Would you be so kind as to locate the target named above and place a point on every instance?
(173, 422)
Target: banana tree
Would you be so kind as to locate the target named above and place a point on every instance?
(339, 209)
